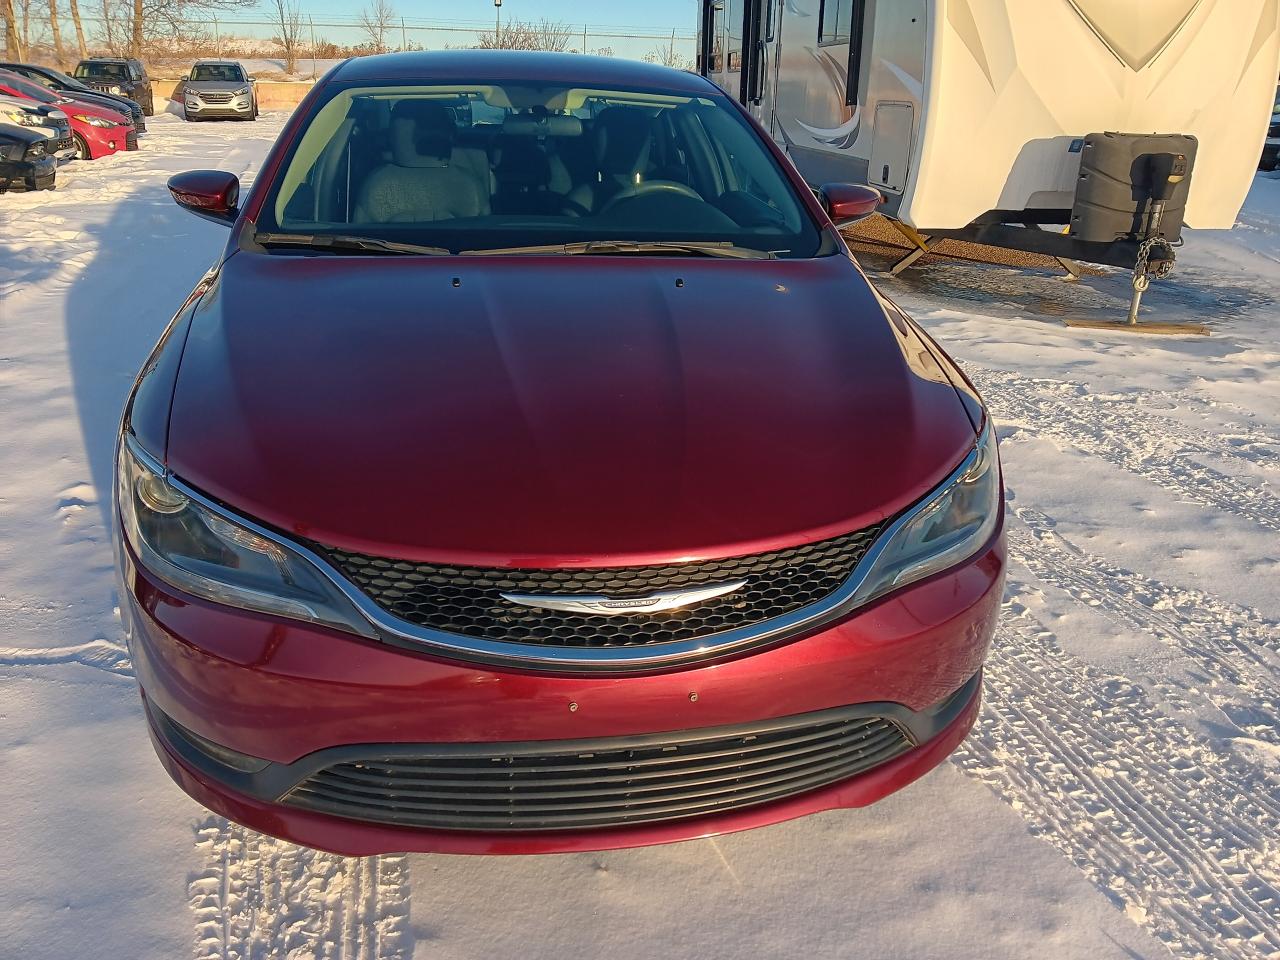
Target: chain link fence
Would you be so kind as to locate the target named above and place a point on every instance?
(323, 39)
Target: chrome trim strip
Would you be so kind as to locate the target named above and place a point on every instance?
(836, 604)
(623, 606)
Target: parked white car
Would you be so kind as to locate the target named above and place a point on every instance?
(219, 88)
(43, 119)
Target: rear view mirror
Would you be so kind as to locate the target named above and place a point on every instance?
(848, 202)
(211, 194)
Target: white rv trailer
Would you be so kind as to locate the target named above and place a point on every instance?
(971, 115)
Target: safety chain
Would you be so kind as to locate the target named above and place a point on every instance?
(1164, 264)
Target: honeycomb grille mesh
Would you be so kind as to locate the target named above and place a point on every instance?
(468, 600)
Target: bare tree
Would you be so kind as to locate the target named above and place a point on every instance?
(376, 20)
(522, 35)
(106, 26)
(57, 31)
(12, 40)
(288, 24)
(75, 19)
(667, 55)
(552, 35)
(132, 26)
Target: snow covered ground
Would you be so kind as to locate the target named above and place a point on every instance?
(1120, 797)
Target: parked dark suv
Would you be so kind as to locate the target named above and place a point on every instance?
(120, 76)
(25, 160)
(66, 86)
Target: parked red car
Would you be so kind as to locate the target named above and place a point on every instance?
(98, 131)
(536, 471)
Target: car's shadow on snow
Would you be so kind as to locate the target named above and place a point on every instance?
(119, 304)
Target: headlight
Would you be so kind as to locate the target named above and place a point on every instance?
(946, 529)
(212, 555)
(35, 151)
(115, 88)
(95, 121)
(242, 92)
(24, 119)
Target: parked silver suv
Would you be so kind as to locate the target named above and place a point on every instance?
(219, 88)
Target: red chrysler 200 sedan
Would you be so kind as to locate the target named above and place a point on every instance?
(536, 471)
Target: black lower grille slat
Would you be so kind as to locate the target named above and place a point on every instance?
(611, 784)
(469, 600)
(667, 755)
(567, 799)
(504, 819)
(598, 782)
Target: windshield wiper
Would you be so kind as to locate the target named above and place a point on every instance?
(338, 241)
(708, 248)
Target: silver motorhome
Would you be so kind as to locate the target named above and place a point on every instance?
(1005, 121)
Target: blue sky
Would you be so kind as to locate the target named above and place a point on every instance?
(652, 17)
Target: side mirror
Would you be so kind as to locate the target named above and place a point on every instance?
(211, 194)
(849, 202)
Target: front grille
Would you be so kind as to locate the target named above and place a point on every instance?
(603, 783)
(468, 600)
(216, 97)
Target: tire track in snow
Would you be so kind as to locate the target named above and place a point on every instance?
(1235, 650)
(1114, 428)
(1185, 838)
(100, 654)
(258, 898)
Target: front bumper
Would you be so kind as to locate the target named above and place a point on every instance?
(237, 107)
(104, 141)
(1270, 153)
(37, 174)
(285, 691)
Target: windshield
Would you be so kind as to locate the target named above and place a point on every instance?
(22, 87)
(69, 82)
(102, 71)
(467, 167)
(222, 72)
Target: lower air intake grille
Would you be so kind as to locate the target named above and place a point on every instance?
(468, 600)
(602, 783)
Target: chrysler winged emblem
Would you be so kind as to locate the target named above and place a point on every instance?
(621, 606)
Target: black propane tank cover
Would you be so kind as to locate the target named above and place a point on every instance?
(1113, 191)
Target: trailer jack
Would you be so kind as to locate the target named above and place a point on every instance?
(1155, 255)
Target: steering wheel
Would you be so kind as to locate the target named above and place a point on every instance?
(650, 188)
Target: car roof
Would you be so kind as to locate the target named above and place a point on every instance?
(217, 63)
(515, 65)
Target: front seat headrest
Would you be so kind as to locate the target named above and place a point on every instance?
(421, 134)
(523, 163)
(623, 140)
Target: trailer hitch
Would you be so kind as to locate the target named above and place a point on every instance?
(1156, 255)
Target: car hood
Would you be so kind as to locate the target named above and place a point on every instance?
(558, 410)
(88, 109)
